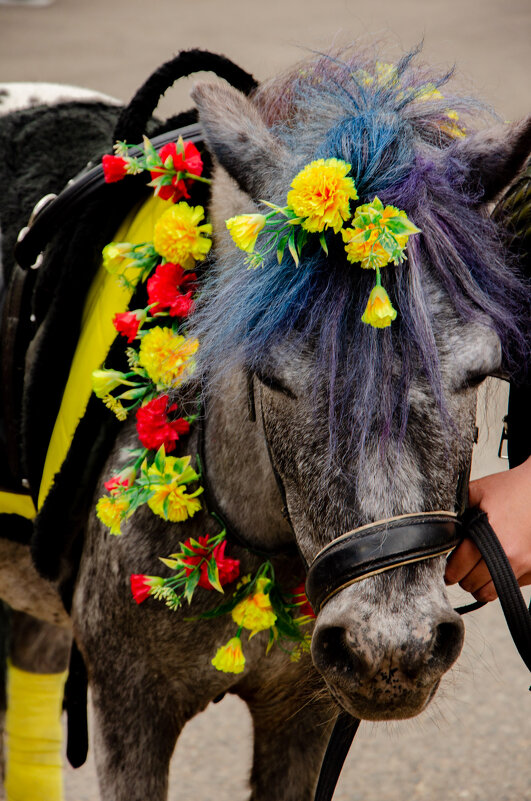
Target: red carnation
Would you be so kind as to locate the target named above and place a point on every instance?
(163, 289)
(186, 158)
(128, 323)
(116, 484)
(228, 569)
(300, 599)
(154, 427)
(114, 168)
(141, 586)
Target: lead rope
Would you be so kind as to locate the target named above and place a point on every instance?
(517, 615)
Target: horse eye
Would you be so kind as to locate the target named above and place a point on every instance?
(271, 382)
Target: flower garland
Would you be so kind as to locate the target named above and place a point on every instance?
(162, 361)
(319, 199)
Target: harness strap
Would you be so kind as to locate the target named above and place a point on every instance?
(343, 733)
(76, 195)
(13, 346)
(517, 615)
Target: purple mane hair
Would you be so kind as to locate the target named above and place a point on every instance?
(393, 125)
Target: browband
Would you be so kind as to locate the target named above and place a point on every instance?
(378, 547)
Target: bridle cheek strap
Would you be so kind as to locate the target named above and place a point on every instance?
(378, 547)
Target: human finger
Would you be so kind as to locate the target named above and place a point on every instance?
(478, 577)
(461, 561)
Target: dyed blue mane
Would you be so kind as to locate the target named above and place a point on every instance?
(399, 138)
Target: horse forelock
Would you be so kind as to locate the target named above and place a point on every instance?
(399, 149)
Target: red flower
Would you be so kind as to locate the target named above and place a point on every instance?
(141, 586)
(188, 160)
(300, 599)
(128, 323)
(114, 168)
(116, 484)
(163, 289)
(229, 569)
(154, 426)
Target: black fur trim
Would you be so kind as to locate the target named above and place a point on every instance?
(133, 119)
(16, 528)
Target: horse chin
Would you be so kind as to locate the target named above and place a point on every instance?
(392, 705)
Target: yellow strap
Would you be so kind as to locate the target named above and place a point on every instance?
(13, 504)
(105, 299)
(34, 736)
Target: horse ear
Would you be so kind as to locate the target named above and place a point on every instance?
(495, 156)
(236, 134)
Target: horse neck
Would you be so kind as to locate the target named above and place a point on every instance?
(239, 471)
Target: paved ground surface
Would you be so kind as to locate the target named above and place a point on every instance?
(475, 741)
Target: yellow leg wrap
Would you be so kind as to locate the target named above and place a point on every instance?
(34, 765)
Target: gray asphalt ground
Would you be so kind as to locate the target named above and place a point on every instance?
(474, 742)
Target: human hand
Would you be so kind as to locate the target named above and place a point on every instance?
(506, 498)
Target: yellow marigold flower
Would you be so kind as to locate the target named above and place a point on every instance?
(179, 238)
(321, 193)
(170, 499)
(429, 92)
(172, 502)
(111, 510)
(167, 357)
(255, 612)
(386, 73)
(229, 658)
(453, 128)
(244, 230)
(371, 220)
(360, 249)
(379, 311)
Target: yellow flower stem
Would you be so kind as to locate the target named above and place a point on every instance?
(378, 277)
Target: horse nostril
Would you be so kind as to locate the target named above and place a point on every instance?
(448, 641)
(437, 653)
(333, 649)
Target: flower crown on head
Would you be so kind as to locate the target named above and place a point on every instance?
(319, 199)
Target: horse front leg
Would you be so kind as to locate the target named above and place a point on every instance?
(135, 731)
(293, 716)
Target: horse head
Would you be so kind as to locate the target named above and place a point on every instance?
(364, 424)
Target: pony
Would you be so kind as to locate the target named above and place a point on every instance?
(313, 423)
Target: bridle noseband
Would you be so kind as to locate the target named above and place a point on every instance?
(379, 547)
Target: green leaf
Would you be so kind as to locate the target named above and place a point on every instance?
(191, 584)
(401, 225)
(166, 506)
(302, 238)
(213, 575)
(133, 394)
(322, 240)
(282, 242)
(292, 248)
(160, 459)
(149, 150)
(172, 563)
